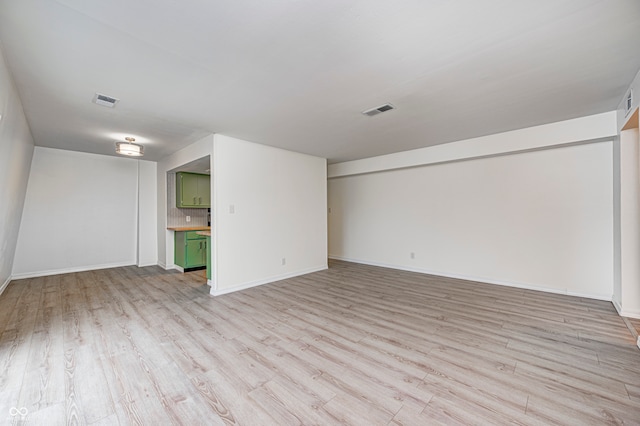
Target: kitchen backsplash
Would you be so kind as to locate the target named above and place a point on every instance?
(178, 217)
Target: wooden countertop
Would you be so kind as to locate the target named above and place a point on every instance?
(205, 233)
(188, 228)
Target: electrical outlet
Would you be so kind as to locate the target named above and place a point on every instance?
(232, 209)
(188, 218)
(412, 255)
(284, 261)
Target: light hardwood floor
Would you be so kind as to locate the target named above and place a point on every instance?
(633, 325)
(353, 345)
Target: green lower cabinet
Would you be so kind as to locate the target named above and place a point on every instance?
(190, 250)
(208, 258)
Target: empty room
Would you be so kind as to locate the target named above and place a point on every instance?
(296, 212)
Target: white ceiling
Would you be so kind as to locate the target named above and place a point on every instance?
(297, 73)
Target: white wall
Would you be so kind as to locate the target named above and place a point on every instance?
(541, 219)
(626, 171)
(80, 213)
(147, 214)
(201, 148)
(617, 227)
(629, 301)
(279, 204)
(16, 150)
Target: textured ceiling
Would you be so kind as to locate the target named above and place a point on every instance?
(297, 73)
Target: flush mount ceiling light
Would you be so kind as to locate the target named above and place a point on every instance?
(129, 148)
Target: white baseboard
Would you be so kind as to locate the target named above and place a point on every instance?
(170, 267)
(604, 297)
(616, 305)
(625, 313)
(144, 265)
(219, 292)
(71, 270)
(629, 314)
(5, 284)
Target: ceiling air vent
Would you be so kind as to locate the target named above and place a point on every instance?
(378, 110)
(628, 102)
(104, 100)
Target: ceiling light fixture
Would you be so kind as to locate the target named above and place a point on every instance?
(129, 148)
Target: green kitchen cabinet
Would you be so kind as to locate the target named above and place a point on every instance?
(193, 190)
(208, 254)
(190, 250)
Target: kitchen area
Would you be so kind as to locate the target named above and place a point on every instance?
(276, 239)
(189, 215)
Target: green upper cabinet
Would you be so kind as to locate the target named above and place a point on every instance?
(193, 190)
(204, 190)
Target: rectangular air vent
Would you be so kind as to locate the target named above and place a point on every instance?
(104, 100)
(628, 102)
(378, 110)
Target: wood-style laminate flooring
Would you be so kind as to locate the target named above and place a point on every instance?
(633, 325)
(354, 344)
